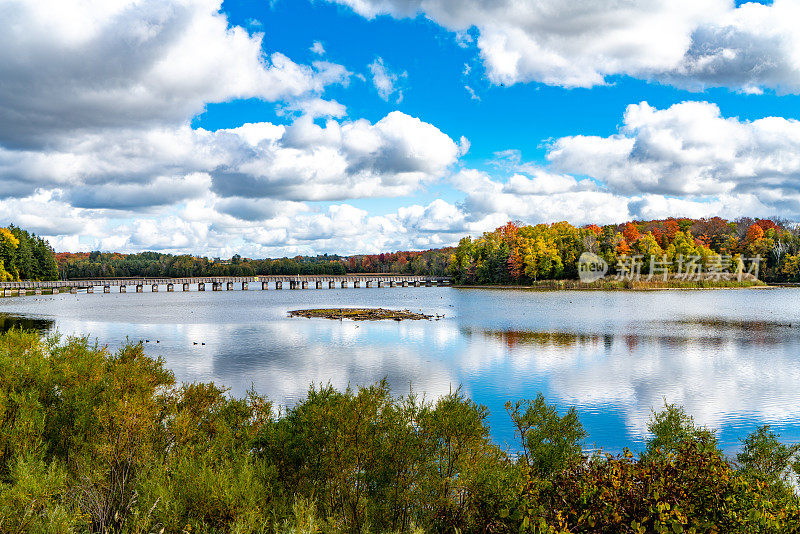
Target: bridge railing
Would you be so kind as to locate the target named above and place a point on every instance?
(293, 281)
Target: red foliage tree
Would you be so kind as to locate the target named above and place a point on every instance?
(766, 224)
(671, 229)
(631, 233)
(594, 229)
(515, 265)
(754, 233)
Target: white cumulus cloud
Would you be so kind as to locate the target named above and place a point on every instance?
(690, 150)
(82, 65)
(691, 43)
(385, 81)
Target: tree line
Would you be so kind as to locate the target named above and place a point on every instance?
(512, 254)
(77, 265)
(433, 262)
(523, 254)
(101, 442)
(25, 256)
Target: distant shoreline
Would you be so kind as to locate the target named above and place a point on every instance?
(615, 285)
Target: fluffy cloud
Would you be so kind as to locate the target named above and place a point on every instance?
(97, 151)
(318, 48)
(303, 161)
(252, 189)
(84, 65)
(686, 160)
(222, 226)
(45, 214)
(537, 197)
(392, 157)
(691, 43)
(385, 81)
(690, 151)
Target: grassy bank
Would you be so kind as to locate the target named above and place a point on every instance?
(637, 285)
(98, 442)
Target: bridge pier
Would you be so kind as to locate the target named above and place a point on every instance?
(229, 283)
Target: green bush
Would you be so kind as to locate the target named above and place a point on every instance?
(94, 441)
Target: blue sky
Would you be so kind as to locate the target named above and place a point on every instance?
(519, 117)
(273, 128)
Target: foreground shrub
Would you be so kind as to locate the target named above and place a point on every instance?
(98, 442)
(691, 490)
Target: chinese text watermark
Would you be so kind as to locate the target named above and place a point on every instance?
(716, 267)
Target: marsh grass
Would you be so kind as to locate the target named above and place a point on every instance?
(360, 314)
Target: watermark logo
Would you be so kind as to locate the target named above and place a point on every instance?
(591, 267)
(714, 267)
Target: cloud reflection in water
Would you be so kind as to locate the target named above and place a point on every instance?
(731, 358)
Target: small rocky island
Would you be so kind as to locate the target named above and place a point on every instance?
(361, 314)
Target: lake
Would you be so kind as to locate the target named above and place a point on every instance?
(730, 357)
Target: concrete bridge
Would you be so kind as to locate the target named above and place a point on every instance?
(220, 283)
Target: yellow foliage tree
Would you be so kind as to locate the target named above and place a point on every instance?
(8, 244)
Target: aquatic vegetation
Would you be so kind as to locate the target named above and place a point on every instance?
(360, 314)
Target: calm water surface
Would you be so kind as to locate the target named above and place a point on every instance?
(732, 358)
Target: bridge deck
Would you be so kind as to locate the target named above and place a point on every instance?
(301, 280)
